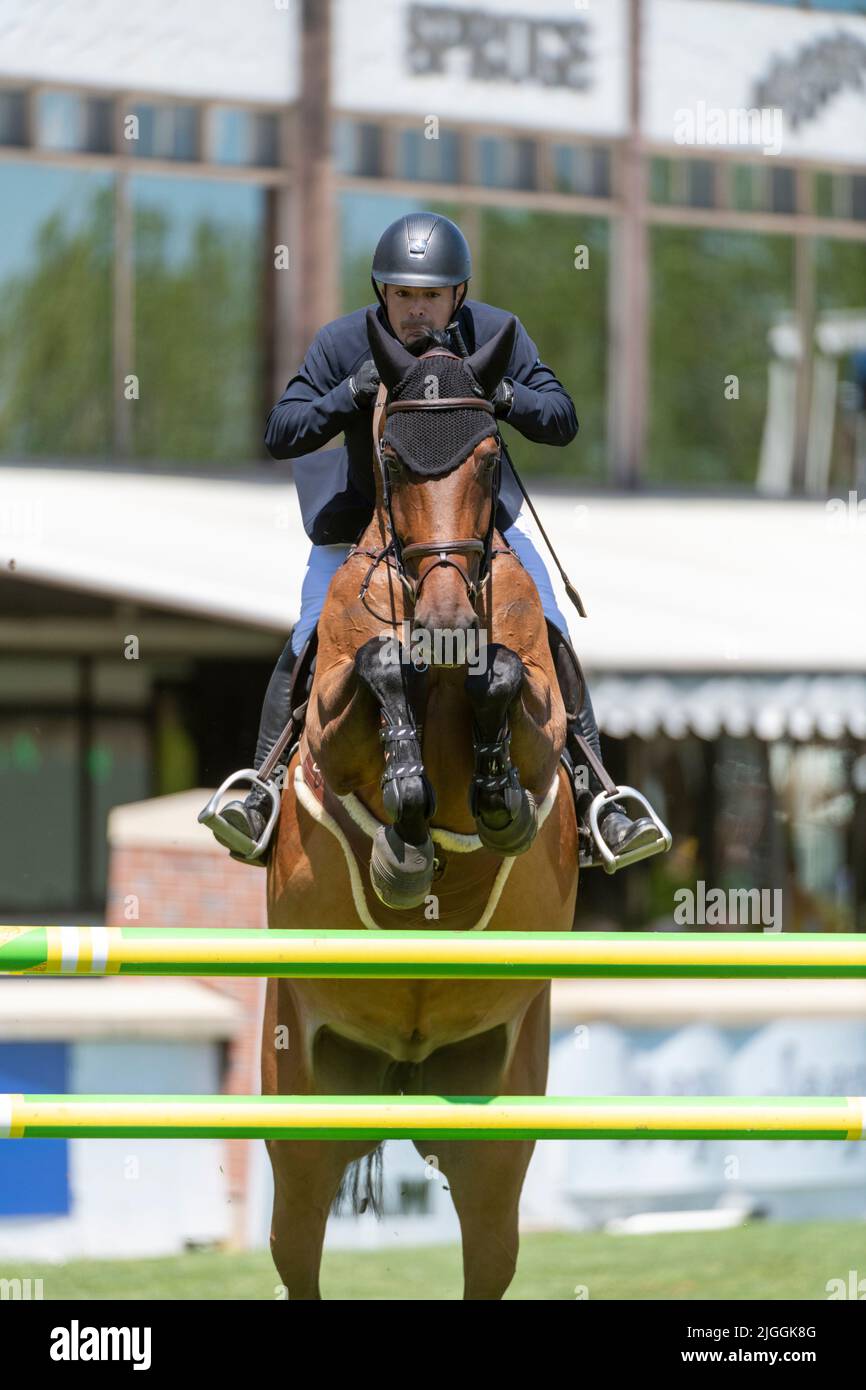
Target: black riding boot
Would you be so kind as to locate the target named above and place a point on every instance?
(251, 814)
(620, 833)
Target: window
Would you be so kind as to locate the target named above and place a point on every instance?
(55, 312)
(69, 121)
(245, 137)
(581, 169)
(437, 161)
(502, 163)
(526, 261)
(841, 195)
(164, 132)
(837, 434)
(767, 187)
(715, 296)
(198, 319)
(683, 182)
(358, 148)
(13, 118)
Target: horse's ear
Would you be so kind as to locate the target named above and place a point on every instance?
(391, 358)
(490, 362)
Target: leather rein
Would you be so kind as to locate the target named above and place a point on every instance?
(443, 549)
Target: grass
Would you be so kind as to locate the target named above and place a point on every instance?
(761, 1261)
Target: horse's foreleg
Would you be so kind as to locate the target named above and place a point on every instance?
(401, 861)
(506, 814)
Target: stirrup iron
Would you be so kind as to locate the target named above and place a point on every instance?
(242, 846)
(610, 862)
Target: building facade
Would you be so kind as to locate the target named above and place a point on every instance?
(671, 194)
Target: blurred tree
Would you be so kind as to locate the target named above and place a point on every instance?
(714, 297)
(527, 264)
(198, 350)
(55, 339)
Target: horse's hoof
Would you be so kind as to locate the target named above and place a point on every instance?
(515, 837)
(401, 874)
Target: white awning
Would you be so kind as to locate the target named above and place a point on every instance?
(771, 707)
(670, 584)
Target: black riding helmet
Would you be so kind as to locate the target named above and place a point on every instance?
(422, 248)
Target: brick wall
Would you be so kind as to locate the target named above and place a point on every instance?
(164, 871)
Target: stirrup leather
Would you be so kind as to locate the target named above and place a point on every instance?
(242, 846)
(610, 861)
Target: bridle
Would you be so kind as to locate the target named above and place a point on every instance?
(443, 549)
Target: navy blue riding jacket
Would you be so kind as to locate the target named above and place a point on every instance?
(336, 489)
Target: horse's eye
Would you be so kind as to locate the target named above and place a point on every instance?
(490, 461)
(394, 467)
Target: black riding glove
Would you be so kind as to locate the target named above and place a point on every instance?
(364, 384)
(502, 397)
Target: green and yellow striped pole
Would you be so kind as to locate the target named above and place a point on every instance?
(427, 955)
(431, 1117)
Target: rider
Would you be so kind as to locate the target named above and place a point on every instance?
(420, 275)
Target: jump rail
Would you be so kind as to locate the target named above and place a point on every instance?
(431, 1117)
(427, 955)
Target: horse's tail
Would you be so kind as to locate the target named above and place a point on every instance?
(361, 1184)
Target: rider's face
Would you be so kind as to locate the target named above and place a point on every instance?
(412, 309)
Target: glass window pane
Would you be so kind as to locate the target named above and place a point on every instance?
(184, 137)
(601, 171)
(118, 765)
(128, 684)
(742, 188)
(783, 186)
(368, 150)
(244, 137)
(13, 118)
(527, 266)
(38, 680)
(702, 183)
(143, 142)
(166, 132)
(358, 148)
(342, 135)
(69, 121)
(715, 295)
(55, 311)
(660, 180)
(434, 160)
(823, 194)
(230, 135)
(581, 169)
(838, 424)
(266, 151)
(98, 120)
(60, 120)
(39, 847)
(505, 163)
(198, 315)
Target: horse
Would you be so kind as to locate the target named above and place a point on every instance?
(426, 792)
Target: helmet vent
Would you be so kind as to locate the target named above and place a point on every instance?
(418, 232)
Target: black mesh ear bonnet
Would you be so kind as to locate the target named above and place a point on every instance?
(432, 442)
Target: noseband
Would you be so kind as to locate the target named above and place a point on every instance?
(443, 549)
